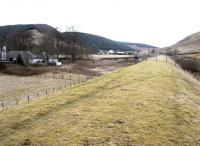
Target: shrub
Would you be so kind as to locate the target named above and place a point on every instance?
(190, 64)
(24, 71)
(2, 66)
(20, 60)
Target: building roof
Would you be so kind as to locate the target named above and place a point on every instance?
(24, 54)
(42, 55)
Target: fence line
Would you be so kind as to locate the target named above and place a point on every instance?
(7, 103)
(63, 77)
(172, 62)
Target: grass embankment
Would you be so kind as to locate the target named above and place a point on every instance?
(150, 103)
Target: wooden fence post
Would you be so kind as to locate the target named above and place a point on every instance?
(17, 101)
(38, 94)
(53, 89)
(46, 92)
(2, 104)
(28, 98)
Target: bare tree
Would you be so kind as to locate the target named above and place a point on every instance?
(58, 42)
(48, 45)
(75, 45)
(73, 32)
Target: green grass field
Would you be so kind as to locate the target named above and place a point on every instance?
(151, 103)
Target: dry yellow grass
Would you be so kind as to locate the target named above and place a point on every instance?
(150, 103)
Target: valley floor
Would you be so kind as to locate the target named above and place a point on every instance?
(150, 103)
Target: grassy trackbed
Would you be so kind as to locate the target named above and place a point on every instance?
(150, 103)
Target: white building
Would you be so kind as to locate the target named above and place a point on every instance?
(111, 52)
(120, 53)
(3, 53)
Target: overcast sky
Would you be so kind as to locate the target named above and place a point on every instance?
(155, 22)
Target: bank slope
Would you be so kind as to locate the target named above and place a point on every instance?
(150, 103)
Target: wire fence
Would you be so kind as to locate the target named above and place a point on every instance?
(70, 81)
(172, 60)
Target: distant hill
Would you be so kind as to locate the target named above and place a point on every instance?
(189, 45)
(96, 43)
(137, 45)
(28, 37)
(33, 38)
(6, 31)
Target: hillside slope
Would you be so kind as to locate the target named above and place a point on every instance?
(35, 35)
(150, 103)
(32, 37)
(138, 45)
(190, 44)
(8, 30)
(96, 43)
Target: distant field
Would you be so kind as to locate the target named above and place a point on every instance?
(111, 56)
(147, 104)
(97, 66)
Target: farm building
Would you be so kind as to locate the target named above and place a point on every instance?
(27, 56)
(111, 52)
(120, 53)
(30, 58)
(41, 58)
